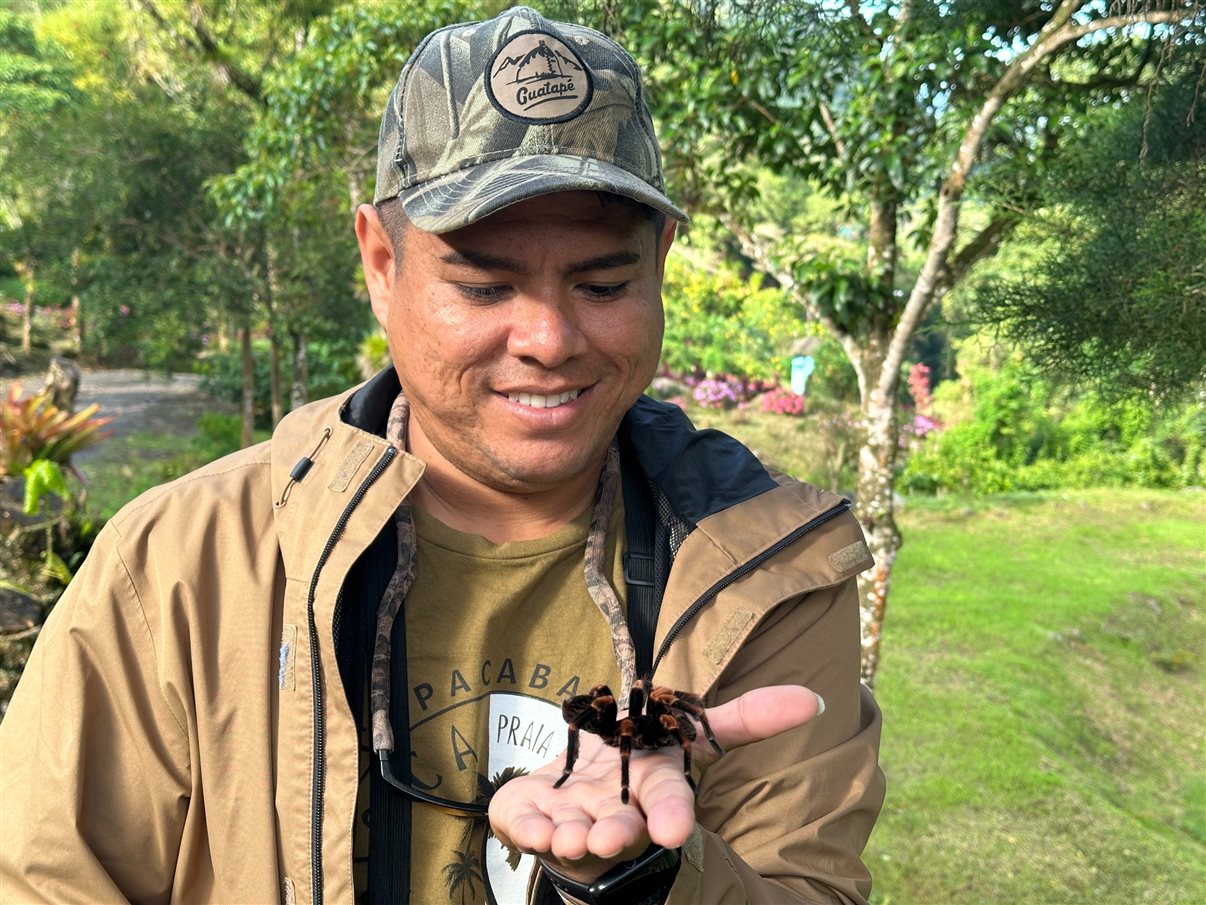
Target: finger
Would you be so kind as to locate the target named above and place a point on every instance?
(524, 827)
(571, 828)
(763, 713)
(668, 803)
(618, 828)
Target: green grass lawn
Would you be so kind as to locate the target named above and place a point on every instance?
(124, 469)
(1042, 685)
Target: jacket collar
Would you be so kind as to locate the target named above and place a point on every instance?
(314, 504)
(700, 472)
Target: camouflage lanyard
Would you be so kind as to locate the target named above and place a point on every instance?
(400, 583)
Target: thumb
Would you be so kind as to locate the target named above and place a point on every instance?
(763, 713)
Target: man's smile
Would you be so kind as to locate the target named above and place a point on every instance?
(544, 401)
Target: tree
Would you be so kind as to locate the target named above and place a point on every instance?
(902, 111)
(311, 154)
(1121, 223)
(109, 187)
(239, 44)
(35, 82)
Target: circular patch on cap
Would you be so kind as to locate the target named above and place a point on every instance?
(537, 78)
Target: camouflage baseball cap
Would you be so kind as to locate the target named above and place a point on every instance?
(486, 114)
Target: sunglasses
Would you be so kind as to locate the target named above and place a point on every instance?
(395, 773)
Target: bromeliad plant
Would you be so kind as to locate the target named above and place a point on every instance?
(38, 439)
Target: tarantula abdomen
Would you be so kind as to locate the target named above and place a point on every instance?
(657, 718)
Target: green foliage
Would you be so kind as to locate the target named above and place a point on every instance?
(42, 477)
(719, 323)
(374, 354)
(1009, 429)
(106, 191)
(1118, 296)
(218, 434)
(833, 380)
(333, 365)
(35, 429)
(841, 292)
(35, 76)
(331, 368)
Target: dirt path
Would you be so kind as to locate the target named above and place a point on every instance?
(139, 401)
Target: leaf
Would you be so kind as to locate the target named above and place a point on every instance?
(55, 569)
(43, 476)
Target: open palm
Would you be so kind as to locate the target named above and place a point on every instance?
(583, 828)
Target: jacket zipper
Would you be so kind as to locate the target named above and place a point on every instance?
(740, 571)
(318, 781)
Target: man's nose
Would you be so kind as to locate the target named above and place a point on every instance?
(545, 332)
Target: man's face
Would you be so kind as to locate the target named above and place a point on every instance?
(522, 339)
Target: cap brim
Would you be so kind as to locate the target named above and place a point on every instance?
(468, 195)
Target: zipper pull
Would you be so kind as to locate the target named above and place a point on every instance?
(302, 468)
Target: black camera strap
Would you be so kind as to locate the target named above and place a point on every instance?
(640, 574)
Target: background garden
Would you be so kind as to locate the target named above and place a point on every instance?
(978, 226)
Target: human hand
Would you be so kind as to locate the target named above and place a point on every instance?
(583, 829)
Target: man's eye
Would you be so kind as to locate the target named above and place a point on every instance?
(482, 293)
(602, 292)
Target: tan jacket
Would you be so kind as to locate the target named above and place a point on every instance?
(163, 743)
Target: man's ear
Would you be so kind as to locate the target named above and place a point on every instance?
(377, 257)
(663, 244)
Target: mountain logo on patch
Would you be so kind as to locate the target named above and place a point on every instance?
(537, 78)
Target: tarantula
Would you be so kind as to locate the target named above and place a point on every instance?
(657, 718)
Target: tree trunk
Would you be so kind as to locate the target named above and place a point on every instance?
(877, 456)
(300, 393)
(77, 318)
(881, 242)
(27, 270)
(875, 509)
(355, 189)
(248, 434)
(274, 346)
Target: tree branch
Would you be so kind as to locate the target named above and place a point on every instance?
(1058, 32)
(831, 128)
(984, 244)
(863, 25)
(757, 249)
(204, 44)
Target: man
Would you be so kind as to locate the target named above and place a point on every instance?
(379, 612)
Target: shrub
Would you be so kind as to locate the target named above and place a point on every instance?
(719, 323)
(35, 429)
(373, 356)
(332, 368)
(218, 434)
(1011, 430)
(716, 394)
(783, 401)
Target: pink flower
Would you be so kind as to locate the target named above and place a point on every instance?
(919, 386)
(783, 401)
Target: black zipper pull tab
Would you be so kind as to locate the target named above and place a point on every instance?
(302, 468)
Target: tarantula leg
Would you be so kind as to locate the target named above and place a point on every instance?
(626, 729)
(670, 724)
(571, 755)
(694, 706)
(703, 721)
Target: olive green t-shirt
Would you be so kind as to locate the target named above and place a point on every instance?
(497, 636)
